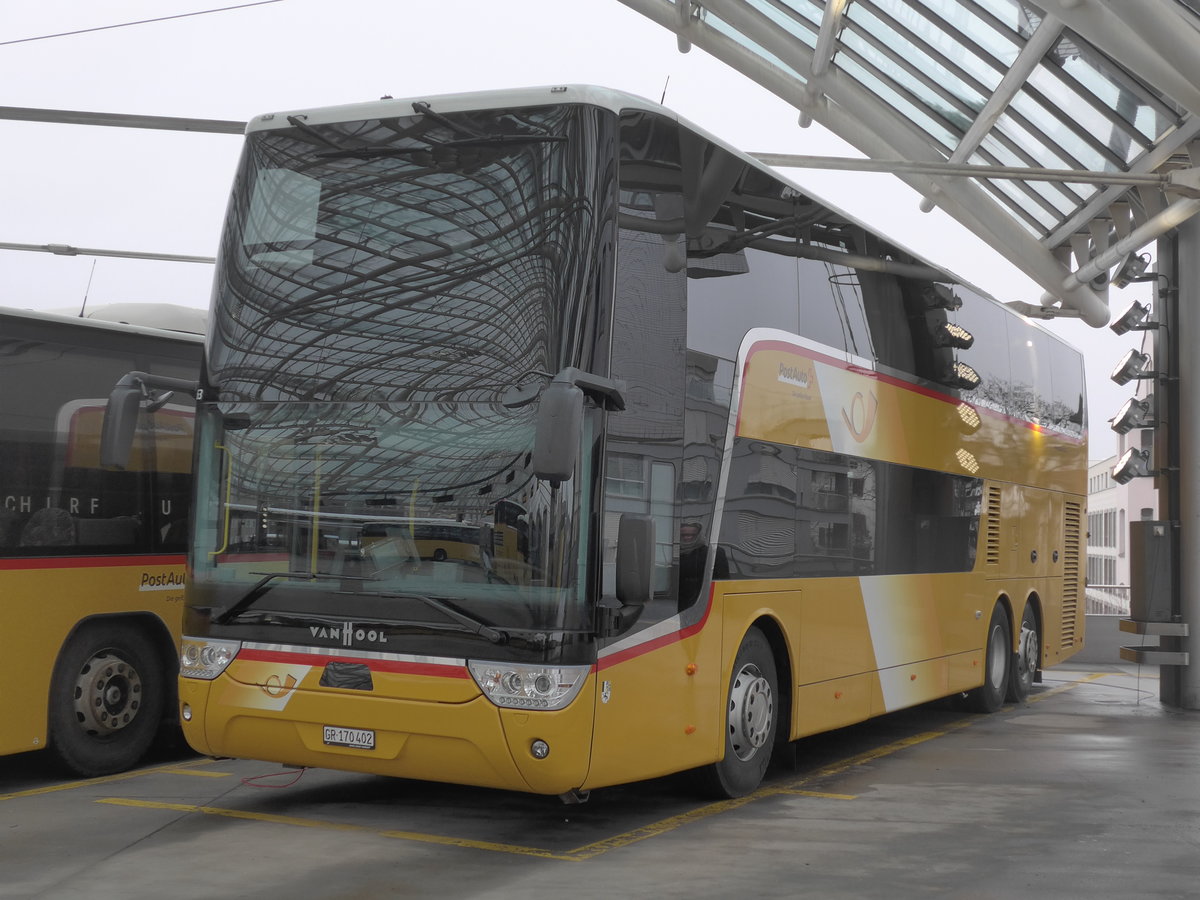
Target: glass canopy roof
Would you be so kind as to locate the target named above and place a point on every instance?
(1088, 109)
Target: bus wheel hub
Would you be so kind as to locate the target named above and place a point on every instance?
(751, 708)
(108, 694)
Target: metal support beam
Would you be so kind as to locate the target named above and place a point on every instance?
(1163, 181)
(1171, 217)
(1162, 152)
(831, 24)
(1038, 45)
(1154, 41)
(121, 120)
(68, 250)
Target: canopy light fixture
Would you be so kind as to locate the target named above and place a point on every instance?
(938, 296)
(1132, 367)
(1134, 464)
(1134, 414)
(1134, 319)
(1130, 270)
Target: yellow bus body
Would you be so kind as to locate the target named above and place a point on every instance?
(46, 600)
(849, 648)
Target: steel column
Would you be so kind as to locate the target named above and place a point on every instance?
(1180, 685)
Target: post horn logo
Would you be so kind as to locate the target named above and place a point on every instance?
(274, 687)
(860, 417)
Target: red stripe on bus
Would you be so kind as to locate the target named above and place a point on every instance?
(92, 562)
(656, 643)
(437, 670)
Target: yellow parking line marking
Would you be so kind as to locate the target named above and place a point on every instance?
(335, 826)
(107, 779)
(795, 787)
(1069, 686)
(819, 794)
(662, 827)
(588, 851)
(198, 774)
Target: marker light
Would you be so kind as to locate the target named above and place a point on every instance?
(517, 686)
(205, 657)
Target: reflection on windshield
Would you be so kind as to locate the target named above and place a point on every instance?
(381, 285)
(431, 499)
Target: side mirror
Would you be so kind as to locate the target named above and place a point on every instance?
(124, 404)
(120, 423)
(635, 558)
(556, 441)
(635, 573)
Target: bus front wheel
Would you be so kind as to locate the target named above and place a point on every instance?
(106, 699)
(750, 721)
(997, 658)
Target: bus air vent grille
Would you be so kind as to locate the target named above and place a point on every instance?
(1073, 515)
(993, 526)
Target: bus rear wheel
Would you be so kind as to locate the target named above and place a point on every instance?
(1025, 664)
(997, 658)
(751, 719)
(106, 699)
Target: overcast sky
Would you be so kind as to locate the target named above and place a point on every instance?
(140, 190)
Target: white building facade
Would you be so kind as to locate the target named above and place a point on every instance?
(1111, 507)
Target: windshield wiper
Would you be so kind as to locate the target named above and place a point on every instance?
(472, 624)
(263, 585)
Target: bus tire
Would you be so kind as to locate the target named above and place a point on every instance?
(106, 699)
(1025, 662)
(751, 719)
(997, 660)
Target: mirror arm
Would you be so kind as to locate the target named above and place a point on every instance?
(609, 392)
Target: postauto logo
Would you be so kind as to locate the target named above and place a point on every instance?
(161, 581)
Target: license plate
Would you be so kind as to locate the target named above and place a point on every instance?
(359, 738)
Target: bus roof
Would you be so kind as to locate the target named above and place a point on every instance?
(150, 319)
(606, 98)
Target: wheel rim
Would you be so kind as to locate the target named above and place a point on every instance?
(751, 711)
(997, 658)
(1027, 654)
(108, 694)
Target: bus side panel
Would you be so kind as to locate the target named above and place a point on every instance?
(658, 704)
(1037, 546)
(40, 608)
(860, 647)
(831, 704)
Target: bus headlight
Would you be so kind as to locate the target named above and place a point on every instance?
(528, 687)
(205, 657)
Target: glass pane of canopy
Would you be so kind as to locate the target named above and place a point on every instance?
(937, 64)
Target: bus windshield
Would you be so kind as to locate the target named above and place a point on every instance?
(385, 287)
(386, 500)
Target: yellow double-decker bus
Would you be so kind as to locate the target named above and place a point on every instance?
(91, 560)
(747, 470)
